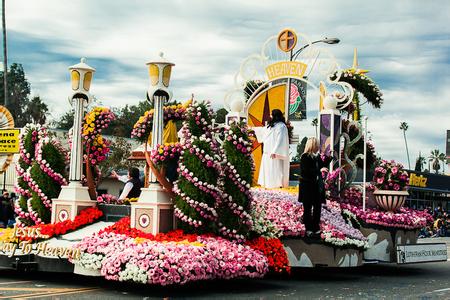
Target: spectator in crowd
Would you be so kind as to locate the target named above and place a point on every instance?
(6, 210)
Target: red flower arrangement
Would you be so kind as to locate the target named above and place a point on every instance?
(274, 251)
(123, 227)
(86, 216)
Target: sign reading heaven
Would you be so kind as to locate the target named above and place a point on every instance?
(293, 69)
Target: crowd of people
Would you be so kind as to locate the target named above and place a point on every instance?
(440, 226)
(7, 215)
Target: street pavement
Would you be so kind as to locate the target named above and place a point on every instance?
(372, 281)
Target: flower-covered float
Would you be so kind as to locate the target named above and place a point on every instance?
(225, 227)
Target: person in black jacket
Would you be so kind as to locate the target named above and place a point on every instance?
(132, 188)
(311, 186)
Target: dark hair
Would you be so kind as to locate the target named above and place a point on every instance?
(134, 172)
(277, 116)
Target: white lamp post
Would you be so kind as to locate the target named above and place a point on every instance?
(153, 212)
(75, 197)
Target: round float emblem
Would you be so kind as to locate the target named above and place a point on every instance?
(63, 215)
(144, 220)
(287, 39)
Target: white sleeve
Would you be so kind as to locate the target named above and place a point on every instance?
(126, 189)
(281, 145)
(260, 133)
(123, 178)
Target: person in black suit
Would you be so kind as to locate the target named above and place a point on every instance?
(311, 186)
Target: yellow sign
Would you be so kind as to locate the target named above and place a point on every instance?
(419, 181)
(281, 69)
(9, 140)
(287, 39)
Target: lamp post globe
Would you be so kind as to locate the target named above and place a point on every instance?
(81, 77)
(159, 71)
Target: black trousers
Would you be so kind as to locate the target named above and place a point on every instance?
(311, 216)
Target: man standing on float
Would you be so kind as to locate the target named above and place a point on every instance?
(274, 171)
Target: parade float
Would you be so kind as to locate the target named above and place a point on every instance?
(208, 220)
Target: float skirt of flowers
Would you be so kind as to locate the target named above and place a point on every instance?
(164, 259)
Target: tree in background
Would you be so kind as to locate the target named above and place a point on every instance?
(404, 127)
(435, 158)
(120, 150)
(300, 149)
(37, 110)
(220, 115)
(18, 93)
(65, 122)
(420, 162)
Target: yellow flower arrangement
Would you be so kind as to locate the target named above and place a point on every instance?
(7, 235)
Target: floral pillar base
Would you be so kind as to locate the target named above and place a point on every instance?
(72, 199)
(153, 212)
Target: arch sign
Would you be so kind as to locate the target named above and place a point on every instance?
(272, 79)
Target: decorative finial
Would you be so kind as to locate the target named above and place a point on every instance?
(83, 60)
(355, 59)
(161, 54)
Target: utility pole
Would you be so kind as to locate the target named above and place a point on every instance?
(5, 57)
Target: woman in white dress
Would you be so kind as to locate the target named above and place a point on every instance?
(274, 170)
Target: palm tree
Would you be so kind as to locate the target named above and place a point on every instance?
(420, 161)
(37, 110)
(315, 123)
(5, 56)
(435, 158)
(404, 127)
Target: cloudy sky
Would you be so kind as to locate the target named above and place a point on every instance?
(404, 44)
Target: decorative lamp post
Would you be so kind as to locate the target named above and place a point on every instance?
(75, 196)
(330, 127)
(153, 212)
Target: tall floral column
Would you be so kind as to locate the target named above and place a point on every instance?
(153, 213)
(75, 197)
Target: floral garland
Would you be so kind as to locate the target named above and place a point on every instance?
(30, 135)
(362, 84)
(143, 127)
(42, 173)
(197, 189)
(164, 154)
(94, 123)
(237, 169)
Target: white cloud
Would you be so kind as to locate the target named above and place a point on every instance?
(405, 44)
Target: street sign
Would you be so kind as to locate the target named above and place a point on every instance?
(417, 253)
(9, 140)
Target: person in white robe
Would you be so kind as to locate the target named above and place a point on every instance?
(274, 169)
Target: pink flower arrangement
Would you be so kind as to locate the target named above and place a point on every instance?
(285, 213)
(404, 218)
(122, 258)
(389, 175)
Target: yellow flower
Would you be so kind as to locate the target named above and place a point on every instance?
(7, 235)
